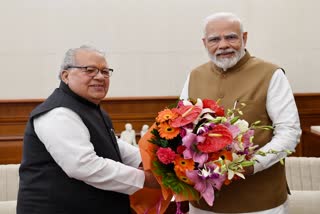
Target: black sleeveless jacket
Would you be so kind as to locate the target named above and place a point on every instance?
(44, 187)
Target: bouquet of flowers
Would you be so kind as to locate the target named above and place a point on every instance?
(196, 147)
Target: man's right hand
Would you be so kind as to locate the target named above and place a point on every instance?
(150, 181)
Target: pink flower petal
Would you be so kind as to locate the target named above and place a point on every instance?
(208, 195)
(235, 131)
(188, 140)
(200, 158)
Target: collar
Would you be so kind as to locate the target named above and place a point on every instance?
(64, 87)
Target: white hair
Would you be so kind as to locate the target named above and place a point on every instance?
(69, 58)
(219, 16)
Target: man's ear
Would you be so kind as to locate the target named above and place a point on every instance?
(244, 37)
(64, 76)
(204, 42)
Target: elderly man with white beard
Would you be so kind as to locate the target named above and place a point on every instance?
(233, 76)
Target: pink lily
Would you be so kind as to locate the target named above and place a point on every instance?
(188, 141)
(207, 180)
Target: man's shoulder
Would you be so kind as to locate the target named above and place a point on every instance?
(264, 62)
(264, 67)
(48, 104)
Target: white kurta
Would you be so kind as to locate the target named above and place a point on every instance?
(67, 139)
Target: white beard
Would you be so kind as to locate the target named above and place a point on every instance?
(226, 63)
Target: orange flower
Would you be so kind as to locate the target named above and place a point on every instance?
(182, 164)
(167, 132)
(165, 115)
(183, 177)
(224, 155)
(214, 156)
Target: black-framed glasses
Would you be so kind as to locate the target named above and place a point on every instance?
(93, 71)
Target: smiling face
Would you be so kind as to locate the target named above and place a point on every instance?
(93, 88)
(224, 42)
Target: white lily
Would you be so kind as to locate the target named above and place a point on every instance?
(205, 172)
(242, 125)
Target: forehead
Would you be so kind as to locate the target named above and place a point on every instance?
(88, 57)
(222, 27)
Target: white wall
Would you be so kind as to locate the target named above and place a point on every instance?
(151, 44)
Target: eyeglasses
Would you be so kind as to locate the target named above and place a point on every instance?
(93, 71)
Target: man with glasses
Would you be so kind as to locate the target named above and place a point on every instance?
(72, 161)
(234, 77)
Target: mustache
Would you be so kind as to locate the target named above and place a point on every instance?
(229, 50)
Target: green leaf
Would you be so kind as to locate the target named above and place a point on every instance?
(233, 120)
(171, 181)
(247, 163)
(256, 122)
(261, 153)
(282, 161)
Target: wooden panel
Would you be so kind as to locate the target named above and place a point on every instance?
(137, 111)
(14, 115)
(10, 149)
(309, 112)
(311, 144)
(309, 109)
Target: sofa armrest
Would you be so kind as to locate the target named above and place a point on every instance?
(9, 181)
(304, 202)
(8, 207)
